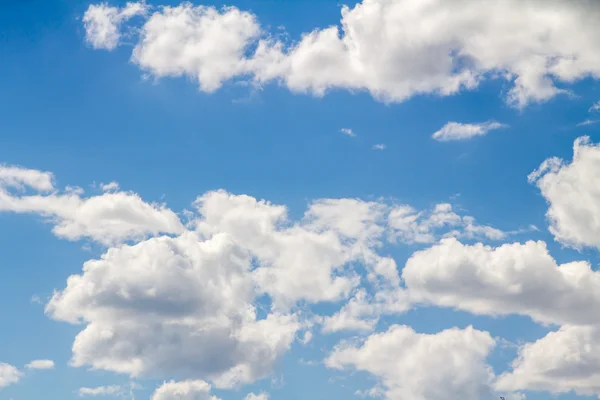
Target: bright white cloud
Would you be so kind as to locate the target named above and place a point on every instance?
(394, 49)
(9, 375)
(200, 42)
(562, 361)
(305, 260)
(103, 23)
(109, 218)
(457, 131)
(100, 391)
(409, 365)
(23, 178)
(184, 390)
(40, 364)
(173, 306)
(509, 279)
(571, 190)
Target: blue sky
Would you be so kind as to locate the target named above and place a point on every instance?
(177, 124)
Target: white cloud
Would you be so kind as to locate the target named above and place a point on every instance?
(562, 361)
(379, 146)
(571, 190)
(260, 396)
(446, 365)
(393, 49)
(100, 391)
(305, 260)
(595, 106)
(9, 375)
(510, 279)
(411, 226)
(109, 218)
(102, 23)
(359, 314)
(184, 390)
(200, 42)
(173, 306)
(458, 131)
(22, 178)
(40, 364)
(348, 131)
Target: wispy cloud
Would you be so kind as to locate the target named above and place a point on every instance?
(588, 122)
(460, 131)
(595, 107)
(379, 146)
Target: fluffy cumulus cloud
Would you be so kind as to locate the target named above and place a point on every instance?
(9, 375)
(510, 279)
(562, 361)
(184, 390)
(411, 365)
(392, 49)
(108, 218)
(457, 131)
(201, 42)
(40, 364)
(103, 23)
(571, 190)
(173, 306)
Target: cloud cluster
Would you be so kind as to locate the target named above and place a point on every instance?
(392, 49)
(216, 302)
(191, 304)
(188, 304)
